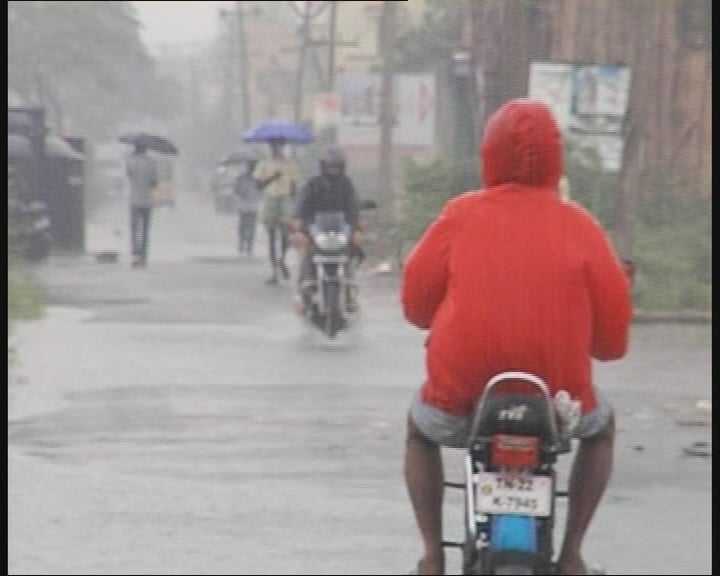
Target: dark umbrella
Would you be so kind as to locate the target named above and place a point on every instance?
(291, 132)
(151, 141)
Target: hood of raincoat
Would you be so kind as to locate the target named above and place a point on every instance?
(522, 144)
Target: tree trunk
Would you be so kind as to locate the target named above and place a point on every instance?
(385, 177)
(244, 67)
(300, 78)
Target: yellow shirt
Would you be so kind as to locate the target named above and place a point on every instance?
(277, 199)
(289, 174)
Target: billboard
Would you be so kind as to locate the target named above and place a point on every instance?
(326, 110)
(589, 103)
(601, 90)
(552, 83)
(413, 109)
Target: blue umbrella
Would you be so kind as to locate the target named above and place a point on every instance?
(291, 132)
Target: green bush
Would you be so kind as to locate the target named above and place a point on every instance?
(671, 232)
(24, 298)
(429, 186)
(590, 186)
(673, 251)
(670, 225)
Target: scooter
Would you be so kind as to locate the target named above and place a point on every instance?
(510, 481)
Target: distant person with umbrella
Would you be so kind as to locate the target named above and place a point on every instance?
(278, 177)
(249, 196)
(144, 174)
(142, 171)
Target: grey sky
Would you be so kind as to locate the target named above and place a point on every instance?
(177, 23)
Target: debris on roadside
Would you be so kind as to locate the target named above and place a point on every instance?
(704, 406)
(699, 449)
(690, 423)
(107, 256)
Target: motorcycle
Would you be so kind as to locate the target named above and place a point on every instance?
(331, 255)
(510, 480)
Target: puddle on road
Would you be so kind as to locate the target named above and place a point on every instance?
(184, 427)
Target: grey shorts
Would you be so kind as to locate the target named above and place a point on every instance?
(451, 430)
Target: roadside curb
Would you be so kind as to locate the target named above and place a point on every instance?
(672, 317)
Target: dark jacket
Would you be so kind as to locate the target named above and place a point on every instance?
(325, 194)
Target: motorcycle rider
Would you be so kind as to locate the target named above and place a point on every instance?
(331, 190)
(513, 277)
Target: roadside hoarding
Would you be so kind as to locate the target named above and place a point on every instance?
(589, 103)
(359, 114)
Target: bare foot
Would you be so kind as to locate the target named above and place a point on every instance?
(432, 566)
(571, 567)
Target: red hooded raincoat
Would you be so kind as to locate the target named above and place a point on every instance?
(513, 278)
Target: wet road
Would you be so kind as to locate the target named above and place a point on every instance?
(181, 420)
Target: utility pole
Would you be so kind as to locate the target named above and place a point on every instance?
(622, 231)
(244, 69)
(331, 52)
(332, 132)
(310, 10)
(385, 177)
(228, 120)
(300, 78)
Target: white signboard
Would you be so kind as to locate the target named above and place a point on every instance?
(413, 114)
(589, 104)
(326, 110)
(601, 90)
(552, 84)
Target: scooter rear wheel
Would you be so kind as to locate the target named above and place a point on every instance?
(513, 570)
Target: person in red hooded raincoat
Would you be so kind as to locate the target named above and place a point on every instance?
(511, 277)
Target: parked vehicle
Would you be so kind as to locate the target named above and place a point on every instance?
(28, 225)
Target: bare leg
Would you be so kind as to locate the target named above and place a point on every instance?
(588, 480)
(284, 245)
(424, 479)
(135, 230)
(272, 233)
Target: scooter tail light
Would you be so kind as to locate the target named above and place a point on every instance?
(511, 451)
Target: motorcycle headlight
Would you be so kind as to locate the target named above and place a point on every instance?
(321, 239)
(330, 241)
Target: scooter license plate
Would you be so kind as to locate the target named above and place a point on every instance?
(500, 493)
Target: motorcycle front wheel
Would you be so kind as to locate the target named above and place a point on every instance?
(333, 316)
(514, 570)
